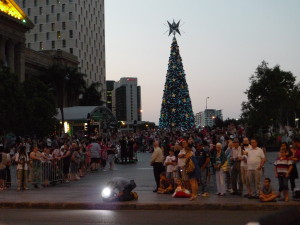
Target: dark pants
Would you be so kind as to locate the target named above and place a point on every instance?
(127, 195)
(158, 168)
(236, 177)
(283, 183)
(124, 155)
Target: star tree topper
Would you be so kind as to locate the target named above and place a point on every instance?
(174, 28)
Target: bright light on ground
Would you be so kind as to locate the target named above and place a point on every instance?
(106, 192)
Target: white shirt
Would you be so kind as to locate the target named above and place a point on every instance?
(255, 156)
(157, 155)
(243, 163)
(170, 168)
(181, 161)
(22, 158)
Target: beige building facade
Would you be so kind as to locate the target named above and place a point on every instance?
(73, 26)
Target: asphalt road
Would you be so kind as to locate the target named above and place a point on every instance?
(92, 217)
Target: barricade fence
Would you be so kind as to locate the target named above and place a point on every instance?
(51, 173)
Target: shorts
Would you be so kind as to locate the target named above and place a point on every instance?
(95, 160)
(3, 174)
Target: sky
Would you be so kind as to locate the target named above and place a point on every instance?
(222, 43)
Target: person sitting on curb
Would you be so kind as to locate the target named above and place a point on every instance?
(165, 184)
(119, 189)
(267, 194)
(181, 191)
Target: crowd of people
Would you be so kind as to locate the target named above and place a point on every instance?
(183, 163)
(57, 160)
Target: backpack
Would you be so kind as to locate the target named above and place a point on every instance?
(189, 165)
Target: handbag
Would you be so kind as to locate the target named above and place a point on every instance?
(225, 166)
(189, 165)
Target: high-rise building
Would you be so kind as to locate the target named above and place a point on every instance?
(126, 99)
(74, 26)
(207, 117)
(109, 93)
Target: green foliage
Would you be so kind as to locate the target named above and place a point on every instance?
(11, 101)
(26, 108)
(41, 108)
(91, 96)
(176, 108)
(273, 98)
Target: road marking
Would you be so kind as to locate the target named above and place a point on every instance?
(150, 168)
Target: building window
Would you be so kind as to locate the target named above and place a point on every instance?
(63, 7)
(41, 46)
(53, 44)
(71, 50)
(29, 11)
(52, 8)
(63, 25)
(41, 27)
(47, 18)
(35, 2)
(70, 16)
(35, 37)
(58, 17)
(52, 26)
(41, 10)
(29, 45)
(24, 3)
(70, 33)
(47, 2)
(35, 19)
(47, 35)
(64, 43)
(58, 35)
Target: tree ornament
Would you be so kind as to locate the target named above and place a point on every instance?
(174, 67)
(173, 124)
(184, 100)
(173, 79)
(173, 110)
(173, 95)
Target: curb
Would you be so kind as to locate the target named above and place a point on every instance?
(146, 206)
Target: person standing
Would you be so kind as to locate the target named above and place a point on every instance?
(22, 161)
(203, 159)
(235, 159)
(35, 157)
(95, 155)
(123, 145)
(157, 160)
(244, 172)
(219, 160)
(255, 163)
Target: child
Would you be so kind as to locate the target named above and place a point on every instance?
(180, 191)
(165, 184)
(169, 163)
(283, 168)
(267, 194)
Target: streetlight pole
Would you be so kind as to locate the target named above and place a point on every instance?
(206, 102)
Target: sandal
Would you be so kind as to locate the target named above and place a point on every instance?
(193, 198)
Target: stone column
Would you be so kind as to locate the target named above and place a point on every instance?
(20, 60)
(2, 49)
(11, 55)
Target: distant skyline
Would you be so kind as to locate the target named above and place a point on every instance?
(221, 45)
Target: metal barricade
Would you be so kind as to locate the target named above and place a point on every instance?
(52, 172)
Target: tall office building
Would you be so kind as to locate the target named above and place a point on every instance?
(207, 117)
(109, 93)
(75, 26)
(127, 100)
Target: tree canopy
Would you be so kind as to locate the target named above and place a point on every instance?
(273, 98)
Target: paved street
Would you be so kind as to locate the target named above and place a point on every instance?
(108, 217)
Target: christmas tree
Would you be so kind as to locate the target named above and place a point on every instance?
(176, 107)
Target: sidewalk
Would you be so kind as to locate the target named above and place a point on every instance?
(85, 194)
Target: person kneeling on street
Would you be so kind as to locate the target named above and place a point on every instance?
(165, 184)
(119, 189)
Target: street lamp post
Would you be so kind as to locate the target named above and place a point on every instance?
(206, 102)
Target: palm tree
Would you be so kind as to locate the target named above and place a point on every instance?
(75, 86)
(91, 96)
(56, 77)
